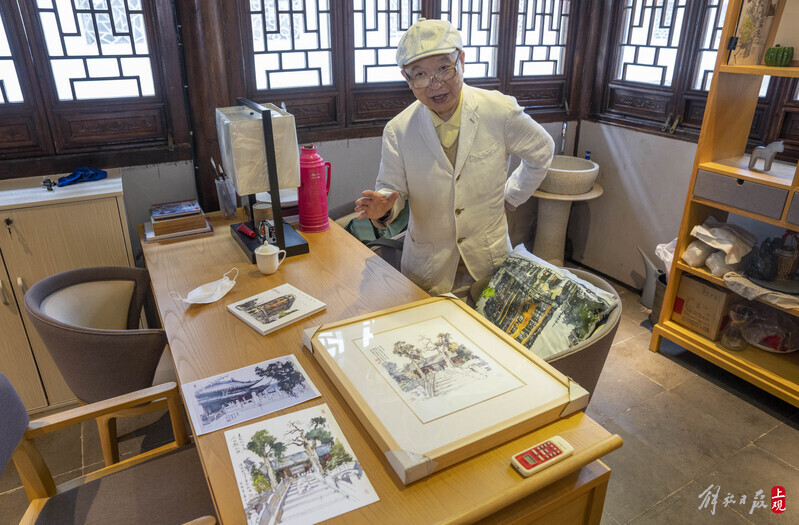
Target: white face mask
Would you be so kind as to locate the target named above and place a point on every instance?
(209, 292)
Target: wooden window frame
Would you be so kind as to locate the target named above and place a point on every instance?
(350, 110)
(52, 136)
(645, 107)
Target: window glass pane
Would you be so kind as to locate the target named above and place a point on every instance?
(712, 23)
(650, 34)
(10, 90)
(541, 34)
(98, 49)
(478, 22)
(291, 43)
(764, 86)
(378, 26)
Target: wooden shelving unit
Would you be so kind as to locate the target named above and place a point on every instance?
(721, 183)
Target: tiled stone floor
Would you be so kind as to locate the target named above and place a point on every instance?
(687, 425)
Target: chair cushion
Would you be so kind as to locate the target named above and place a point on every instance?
(545, 308)
(92, 304)
(169, 489)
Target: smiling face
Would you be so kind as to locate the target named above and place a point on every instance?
(441, 97)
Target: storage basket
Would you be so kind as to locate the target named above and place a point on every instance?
(787, 256)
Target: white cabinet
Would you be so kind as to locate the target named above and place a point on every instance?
(43, 233)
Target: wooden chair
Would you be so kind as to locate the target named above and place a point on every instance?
(89, 321)
(164, 485)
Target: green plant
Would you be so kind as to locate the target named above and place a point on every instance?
(779, 56)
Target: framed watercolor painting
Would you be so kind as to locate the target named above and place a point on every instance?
(435, 383)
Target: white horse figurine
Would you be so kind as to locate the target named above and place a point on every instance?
(767, 153)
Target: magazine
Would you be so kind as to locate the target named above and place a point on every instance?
(169, 210)
(247, 393)
(276, 308)
(297, 468)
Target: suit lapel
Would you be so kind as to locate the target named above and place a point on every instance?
(428, 134)
(468, 131)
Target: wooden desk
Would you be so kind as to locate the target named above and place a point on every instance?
(207, 340)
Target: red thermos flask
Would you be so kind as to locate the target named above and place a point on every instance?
(314, 187)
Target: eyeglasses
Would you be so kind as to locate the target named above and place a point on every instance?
(443, 76)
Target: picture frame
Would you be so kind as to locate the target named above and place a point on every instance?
(435, 383)
(754, 31)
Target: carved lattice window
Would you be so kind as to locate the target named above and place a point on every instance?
(98, 49)
(291, 43)
(478, 22)
(89, 81)
(377, 29)
(541, 37)
(10, 90)
(713, 21)
(649, 40)
(356, 85)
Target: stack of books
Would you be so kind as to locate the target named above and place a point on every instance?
(172, 220)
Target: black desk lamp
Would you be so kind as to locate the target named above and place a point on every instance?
(286, 238)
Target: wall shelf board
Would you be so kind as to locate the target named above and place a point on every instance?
(781, 173)
(777, 374)
(789, 71)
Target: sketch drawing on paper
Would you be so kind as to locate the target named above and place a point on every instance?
(244, 394)
(270, 311)
(297, 468)
(435, 368)
(273, 309)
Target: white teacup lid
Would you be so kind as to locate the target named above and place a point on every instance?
(266, 249)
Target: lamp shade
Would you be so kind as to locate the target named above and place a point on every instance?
(241, 142)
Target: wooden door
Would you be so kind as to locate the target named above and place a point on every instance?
(45, 240)
(16, 359)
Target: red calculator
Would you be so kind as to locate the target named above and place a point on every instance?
(539, 457)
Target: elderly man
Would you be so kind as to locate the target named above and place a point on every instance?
(448, 154)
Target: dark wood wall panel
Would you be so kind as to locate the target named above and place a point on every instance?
(18, 133)
(81, 129)
(379, 106)
(694, 112)
(541, 94)
(320, 110)
(639, 102)
(790, 127)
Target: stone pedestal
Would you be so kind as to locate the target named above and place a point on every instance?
(553, 219)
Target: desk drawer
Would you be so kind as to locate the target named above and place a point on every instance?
(745, 195)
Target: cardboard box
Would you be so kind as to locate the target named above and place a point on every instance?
(701, 306)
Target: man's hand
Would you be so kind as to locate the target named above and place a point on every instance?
(373, 205)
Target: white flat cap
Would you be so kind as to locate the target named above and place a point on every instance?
(426, 38)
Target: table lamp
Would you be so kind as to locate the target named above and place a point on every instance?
(260, 153)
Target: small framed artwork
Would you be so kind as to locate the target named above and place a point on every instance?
(435, 383)
(753, 31)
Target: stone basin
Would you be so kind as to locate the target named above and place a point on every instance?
(570, 175)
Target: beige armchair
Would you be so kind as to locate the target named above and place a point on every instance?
(89, 321)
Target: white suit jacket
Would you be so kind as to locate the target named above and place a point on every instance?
(459, 211)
